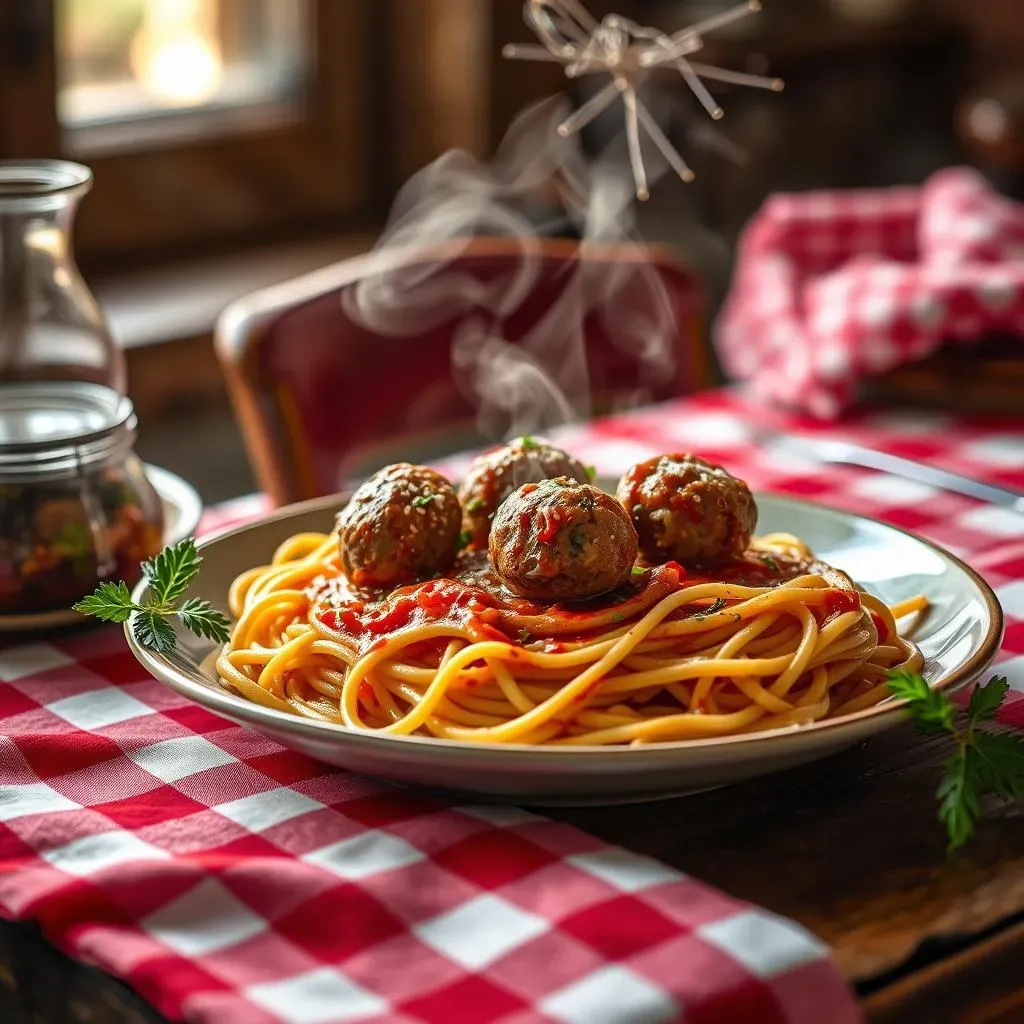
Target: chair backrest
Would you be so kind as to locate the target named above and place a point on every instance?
(329, 381)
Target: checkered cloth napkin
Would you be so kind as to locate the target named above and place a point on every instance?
(228, 880)
(833, 287)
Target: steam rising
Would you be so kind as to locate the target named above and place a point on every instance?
(540, 380)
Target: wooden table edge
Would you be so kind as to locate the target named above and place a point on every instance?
(983, 979)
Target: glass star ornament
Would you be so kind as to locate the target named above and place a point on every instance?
(628, 52)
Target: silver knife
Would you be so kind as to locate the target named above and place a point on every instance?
(845, 453)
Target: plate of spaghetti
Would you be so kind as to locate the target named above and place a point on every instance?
(539, 636)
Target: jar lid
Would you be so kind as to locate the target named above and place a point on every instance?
(49, 425)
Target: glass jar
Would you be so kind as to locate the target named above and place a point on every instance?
(50, 325)
(76, 507)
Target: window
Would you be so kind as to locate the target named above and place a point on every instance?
(211, 124)
(125, 66)
(207, 122)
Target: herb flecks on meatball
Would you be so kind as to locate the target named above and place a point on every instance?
(561, 540)
(687, 509)
(401, 525)
(495, 475)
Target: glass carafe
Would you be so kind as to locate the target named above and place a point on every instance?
(51, 327)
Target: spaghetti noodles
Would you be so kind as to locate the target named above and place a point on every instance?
(774, 639)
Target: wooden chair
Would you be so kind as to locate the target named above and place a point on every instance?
(325, 392)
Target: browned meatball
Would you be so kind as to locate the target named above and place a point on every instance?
(495, 475)
(401, 525)
(687, 509)
(561, 540)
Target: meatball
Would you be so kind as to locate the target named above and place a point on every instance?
(401, 525)
(494, 476)
(688, 510)
(561, 540)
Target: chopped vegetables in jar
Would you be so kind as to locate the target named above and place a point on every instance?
(59, 538)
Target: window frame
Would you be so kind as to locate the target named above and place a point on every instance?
(247, 182)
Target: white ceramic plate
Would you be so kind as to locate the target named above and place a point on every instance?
(959, 636)
(182, 509)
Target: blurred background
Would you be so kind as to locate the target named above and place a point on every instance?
(236, 143)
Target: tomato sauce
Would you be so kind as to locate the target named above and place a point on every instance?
(838, 602)
(472, 598)
(550, 520)
(880, 627)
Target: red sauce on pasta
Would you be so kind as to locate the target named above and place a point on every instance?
(473, 598)
(839, 602)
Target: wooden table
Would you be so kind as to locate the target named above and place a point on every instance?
(849, 847)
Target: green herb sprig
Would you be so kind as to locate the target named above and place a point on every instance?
(982, 762)
(169, 575)
(716, 606)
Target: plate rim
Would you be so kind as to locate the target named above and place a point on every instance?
(236, 707)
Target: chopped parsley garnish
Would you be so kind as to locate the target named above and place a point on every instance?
(591, 473)
(474, 504)
(637, 570)
(524, 636)
(529, 442)
(464, 540)
(716, 606)
(770, 562)
(423, 500)
(577, 539)
(618, 617)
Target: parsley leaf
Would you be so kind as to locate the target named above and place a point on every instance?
(637, 570)
(152, 630)
(591, 473)
(423, 500)
(529, 442)
(986, 700)
(999, 763)
(111, 602)
(474, 504)
(201, 618)
(770, 562)
(168, 575)
(982, 762)
(959, 798)
(932, 710)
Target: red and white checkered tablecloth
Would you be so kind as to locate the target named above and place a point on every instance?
(230, 881)
(833, 287)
